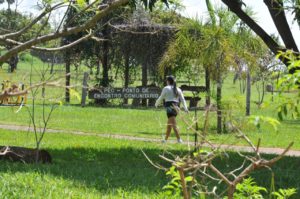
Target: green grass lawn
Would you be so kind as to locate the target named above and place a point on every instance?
(145, 122)
(83, 167)
(93, 167)
(148, 123)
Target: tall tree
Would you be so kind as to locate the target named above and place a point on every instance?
(277, 11)
(100, 11)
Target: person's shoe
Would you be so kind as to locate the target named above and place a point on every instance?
(164, 141)
(180, 140)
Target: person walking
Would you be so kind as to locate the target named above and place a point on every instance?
(172, 96)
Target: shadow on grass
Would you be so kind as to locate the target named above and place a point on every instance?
(286, 172)
(128, 169)
(114, 168)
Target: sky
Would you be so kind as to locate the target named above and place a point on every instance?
(197, 8)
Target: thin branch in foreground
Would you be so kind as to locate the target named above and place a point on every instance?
(151, 162)
(6, 150)
(69, 31)
(32, 23)
(53, 49)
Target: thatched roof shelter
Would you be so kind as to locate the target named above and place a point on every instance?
(144, 42)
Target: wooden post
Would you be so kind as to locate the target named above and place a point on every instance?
(84, 88)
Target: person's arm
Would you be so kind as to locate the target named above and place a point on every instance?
(161, 97)
(181, 97)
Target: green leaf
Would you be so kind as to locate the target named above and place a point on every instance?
(168, 186)
(75, 94)
(168, 193)
(188, 179)
(81, 3)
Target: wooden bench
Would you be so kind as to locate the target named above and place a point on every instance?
(196, 90)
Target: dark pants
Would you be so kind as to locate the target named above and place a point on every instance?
(171, 109)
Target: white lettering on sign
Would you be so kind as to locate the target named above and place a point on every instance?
(128, 93)
(145, 90)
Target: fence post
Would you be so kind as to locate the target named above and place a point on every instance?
(84, 88)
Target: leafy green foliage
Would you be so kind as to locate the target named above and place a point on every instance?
(248, 189)
(284, 193)
(169, 15)
(289, 83)
(173, 187)
(12, 21)
(150, 4)
(258, 120)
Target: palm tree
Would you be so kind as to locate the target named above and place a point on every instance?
(214, 46)
(218, 50)
(205, 45)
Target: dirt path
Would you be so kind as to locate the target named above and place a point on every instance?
(264, 150)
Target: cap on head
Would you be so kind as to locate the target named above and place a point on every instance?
(171, 79)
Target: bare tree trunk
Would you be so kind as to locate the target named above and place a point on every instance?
(98, 67)
(126, 75)
(207, 85)
(231, 190)
(219, 97)
(263, 92)
(37, 152)
(144, 80)
(52, 64)
(68, 76)
(248, 92)
(13, 62)
(105, 80)
(244, 83)
(105, 65)
(84, 89)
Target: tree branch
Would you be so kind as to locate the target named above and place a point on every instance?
(38, 18)
(183, 183)
(10, 41)
(82, 11)
(216, 171)
(6, 149)
(89, 24)
(268, 40)
(277, 13)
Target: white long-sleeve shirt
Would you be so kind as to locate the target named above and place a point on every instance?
(168, 95)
